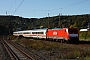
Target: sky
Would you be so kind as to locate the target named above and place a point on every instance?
(44, 8)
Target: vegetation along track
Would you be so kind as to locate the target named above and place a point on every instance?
(15, 53)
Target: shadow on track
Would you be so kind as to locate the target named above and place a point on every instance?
(84, 42)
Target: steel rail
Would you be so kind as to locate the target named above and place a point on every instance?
(9, 50)
(22, 51)
(12, 52)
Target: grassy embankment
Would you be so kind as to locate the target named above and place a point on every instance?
(84, 35)
(64, 51)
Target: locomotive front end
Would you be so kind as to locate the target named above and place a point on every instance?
(73, 35)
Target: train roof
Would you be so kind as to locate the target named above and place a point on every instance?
(34, 30)
(83, 29)
(61, 28)
(40, 30)
(56, 29)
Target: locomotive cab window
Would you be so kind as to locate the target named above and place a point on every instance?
(73, 31)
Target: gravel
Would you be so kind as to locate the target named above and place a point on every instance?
(3, 53)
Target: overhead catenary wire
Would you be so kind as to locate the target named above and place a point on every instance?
(18, 6)
(70, 5)
(62, 7)
(49, 10)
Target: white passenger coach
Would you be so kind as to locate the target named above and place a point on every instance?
(36, 33)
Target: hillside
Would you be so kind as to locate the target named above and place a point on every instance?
(9, 23)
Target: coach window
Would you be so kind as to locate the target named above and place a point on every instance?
(40, 32)
(36, 32)
(15, 33)
(27, 33)
(33, 32)
(19, 33)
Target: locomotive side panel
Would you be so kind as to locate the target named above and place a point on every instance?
(57, 34)
(66, 34)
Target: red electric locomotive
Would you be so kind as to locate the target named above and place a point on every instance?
(63, 34)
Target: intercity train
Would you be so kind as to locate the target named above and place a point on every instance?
(59, 34)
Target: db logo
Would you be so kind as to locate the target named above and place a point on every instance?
(54, 33)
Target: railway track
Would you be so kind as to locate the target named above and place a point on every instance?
(81, 45)
(14, 52)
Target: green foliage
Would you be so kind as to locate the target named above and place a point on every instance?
(84, 35)
(14, 23)
(64, 51)
(87, 58)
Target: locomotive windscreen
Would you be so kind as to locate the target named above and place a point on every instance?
(73, 31)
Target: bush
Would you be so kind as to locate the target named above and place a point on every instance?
(85, 35)
(87, 58)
